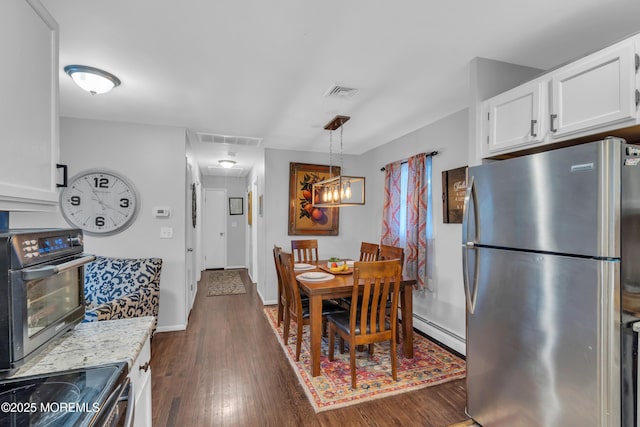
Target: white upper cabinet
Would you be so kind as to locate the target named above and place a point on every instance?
(515, 118)
(595, 94)
(594, 91)
(28, 106)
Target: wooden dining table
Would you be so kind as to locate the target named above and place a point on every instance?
(339, 287)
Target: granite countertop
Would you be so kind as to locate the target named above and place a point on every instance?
(91, 344)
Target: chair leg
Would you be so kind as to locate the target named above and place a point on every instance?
(299, 340)
(341, 345)
(394, 369)
(287, 324)
(280, 307)
(332, 341)
(370, 350)
(352, 363)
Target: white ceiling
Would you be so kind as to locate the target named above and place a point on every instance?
(256, 68)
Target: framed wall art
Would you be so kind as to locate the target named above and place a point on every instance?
(454, 186)
(236, 206)
(304, 218)
(249, 208)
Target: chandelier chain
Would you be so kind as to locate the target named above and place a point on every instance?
(330, 153)
(341, 165)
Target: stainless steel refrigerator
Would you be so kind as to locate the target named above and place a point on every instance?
(551, 258)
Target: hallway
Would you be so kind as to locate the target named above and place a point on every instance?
(228, 369)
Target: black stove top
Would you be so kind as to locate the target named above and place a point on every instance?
(70, 398)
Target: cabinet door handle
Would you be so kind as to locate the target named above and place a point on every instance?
(145, 367)
(553, 119)
(533, 128)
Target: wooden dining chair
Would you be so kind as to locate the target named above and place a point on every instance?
(282, 296)
(391, 252)
(305, 250)
(368, 252)
(298, 310)
(366, 322)
(388, 252)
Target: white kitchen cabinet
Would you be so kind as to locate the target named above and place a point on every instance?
(515, 118)
(595, 94)
(28, 106)
(141, 378)
(594, 91)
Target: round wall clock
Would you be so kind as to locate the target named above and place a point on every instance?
(99, 202)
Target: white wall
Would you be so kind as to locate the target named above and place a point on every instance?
(440, 313)
(236, 224)
(255, 240)
(274, 223)
(153, 159)
(488, 78)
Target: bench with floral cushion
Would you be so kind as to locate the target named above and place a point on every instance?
(119, 288)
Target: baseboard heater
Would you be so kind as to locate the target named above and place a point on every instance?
(439, 328)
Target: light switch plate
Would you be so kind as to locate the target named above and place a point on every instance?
(166, 232)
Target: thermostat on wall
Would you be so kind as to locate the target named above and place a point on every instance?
(161, 211)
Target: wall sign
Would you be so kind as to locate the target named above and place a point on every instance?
(454, 187)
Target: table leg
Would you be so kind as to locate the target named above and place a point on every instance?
(406, 307)
(315, 319)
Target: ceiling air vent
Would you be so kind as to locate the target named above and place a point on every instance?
(342, 92)
(214, 138)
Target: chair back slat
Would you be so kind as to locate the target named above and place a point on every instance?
(289, 282)
(391, 252)
(305, 250)
(368, 252)
(276, 260)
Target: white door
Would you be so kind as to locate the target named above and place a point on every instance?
(215, 227)
(190, 259)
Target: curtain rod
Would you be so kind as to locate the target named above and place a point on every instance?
(431, 154)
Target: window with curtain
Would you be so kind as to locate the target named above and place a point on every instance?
(407, 216)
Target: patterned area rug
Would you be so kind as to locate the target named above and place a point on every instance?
(223, 282)
(431, 365)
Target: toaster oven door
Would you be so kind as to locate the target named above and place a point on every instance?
(47, 300)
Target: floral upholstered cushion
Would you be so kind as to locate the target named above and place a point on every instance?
(118, 288)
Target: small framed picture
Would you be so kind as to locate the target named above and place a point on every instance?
(236, 206)
(454, 186)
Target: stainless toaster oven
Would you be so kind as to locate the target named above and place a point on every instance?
(41, 290)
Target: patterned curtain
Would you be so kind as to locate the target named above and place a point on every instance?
(391, 207)
(417, 198)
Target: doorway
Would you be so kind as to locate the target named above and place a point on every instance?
(215, 227)
(190, 234)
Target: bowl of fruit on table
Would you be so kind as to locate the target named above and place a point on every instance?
(336, 264)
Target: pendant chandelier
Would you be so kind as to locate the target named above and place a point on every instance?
(340, 190)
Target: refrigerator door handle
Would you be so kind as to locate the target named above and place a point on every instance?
(470, 202)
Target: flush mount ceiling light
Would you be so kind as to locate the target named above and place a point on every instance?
(93, 80)
(226, 163)
(338, 190)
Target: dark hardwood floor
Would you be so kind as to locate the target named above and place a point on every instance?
(227, 369)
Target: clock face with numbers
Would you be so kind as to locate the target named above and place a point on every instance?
(99, 202)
